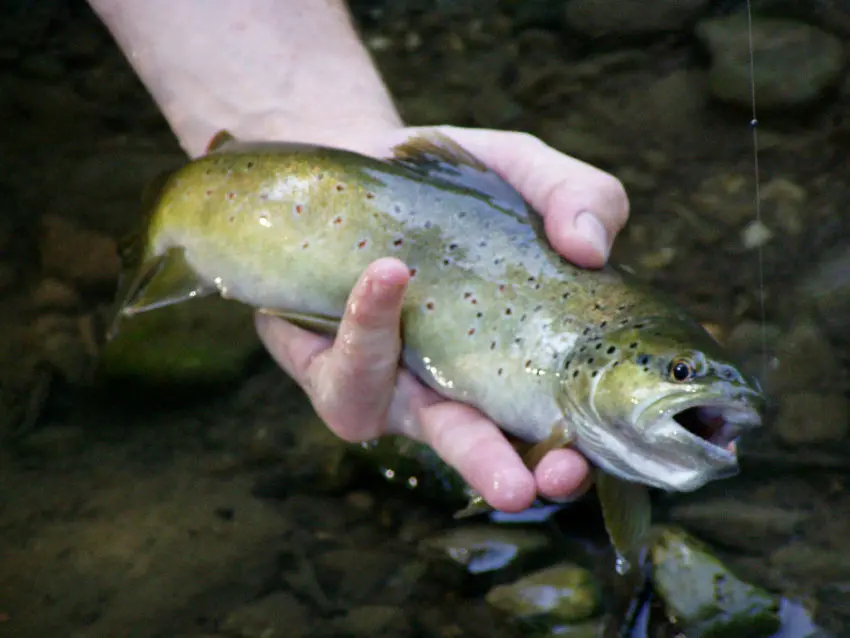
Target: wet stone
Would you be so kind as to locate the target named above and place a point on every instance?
(562, 593)
(483, 555)
(704, 597)
(279, 615)
(777, 44)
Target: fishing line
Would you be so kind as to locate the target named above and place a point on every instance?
(760, 249)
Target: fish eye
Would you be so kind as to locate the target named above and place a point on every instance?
(681, 370)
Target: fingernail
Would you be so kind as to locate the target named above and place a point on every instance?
(382, 291)
(593, 232)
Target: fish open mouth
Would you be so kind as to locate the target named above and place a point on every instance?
(717, 426)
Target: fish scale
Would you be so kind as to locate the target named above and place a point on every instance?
(493, 316)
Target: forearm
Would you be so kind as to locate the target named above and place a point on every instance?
(263, 69)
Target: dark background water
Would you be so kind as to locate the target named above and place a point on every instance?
(133, 511)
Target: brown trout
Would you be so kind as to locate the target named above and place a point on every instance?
(493, 316)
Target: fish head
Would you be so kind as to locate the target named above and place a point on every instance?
(659, 402)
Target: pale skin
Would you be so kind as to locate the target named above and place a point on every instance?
(296, 70)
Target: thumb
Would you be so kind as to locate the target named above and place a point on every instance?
(583, 207)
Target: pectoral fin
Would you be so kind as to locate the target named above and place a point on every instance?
(560, 437)
(323, 324)
(627, 511)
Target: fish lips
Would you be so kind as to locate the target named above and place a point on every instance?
(703, 431)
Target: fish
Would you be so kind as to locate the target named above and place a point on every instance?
(556, 355)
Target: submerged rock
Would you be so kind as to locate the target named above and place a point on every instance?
(563, 593)
(487, 552)
(746, 526)
(703, 596)
(597, 18)
(777, 47)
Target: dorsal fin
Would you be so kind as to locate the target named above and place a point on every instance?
(219, 140)
(437, 156)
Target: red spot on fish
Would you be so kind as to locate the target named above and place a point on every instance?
(209, 192)
(299, 208)
(473, 301)
(362, 243)
(501, 287)
(398, 242)
(337, 220)
(412, 272)
(231, 195)
(370, 195)
(430, 305)
(340, 187)
(470, 332)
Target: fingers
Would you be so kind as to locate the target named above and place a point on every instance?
(584, 207)
(351, 382)
(474, 446)
(562, 475)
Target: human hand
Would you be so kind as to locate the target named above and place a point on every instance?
(354, 381)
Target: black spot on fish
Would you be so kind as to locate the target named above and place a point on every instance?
(452, 246)
(594, 373)
(603, 324)
(462, 214)
(508, 311)
(500, 371)
(398, 241)
(518, 340)
(612, 350)
(492, 345)
(370, 195)
(249, 165)
(567, 364)
(599, 346)
(428, 225)
(479, 314)
(566, 295)
(633, 345)
(305, 245)
(575, 373)
(642, 359)
(639, 325)
(482, 243)
(397, 209)
(538, 308)
(447, 261)
(623, 322)
(585, 332)
(231, 219)
(523, 318)
(340, 188)
(590, 361)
